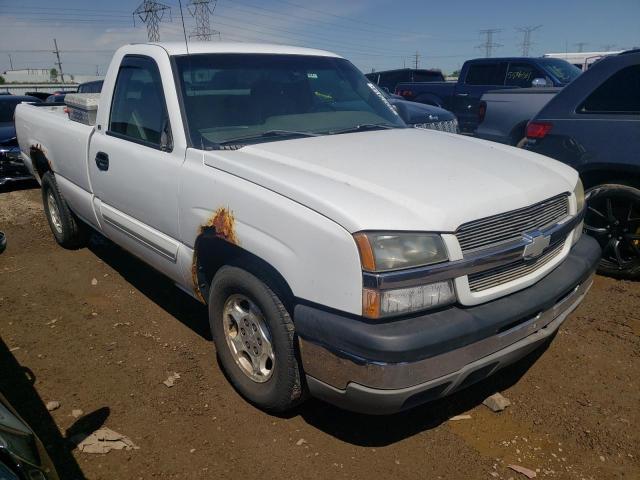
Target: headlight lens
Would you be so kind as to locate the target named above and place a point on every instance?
(381, 252)
(385, 303)
(579, 193)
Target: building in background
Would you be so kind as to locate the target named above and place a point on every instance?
(44, 75)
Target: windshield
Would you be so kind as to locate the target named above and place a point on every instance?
(229, 97)
(561, 69)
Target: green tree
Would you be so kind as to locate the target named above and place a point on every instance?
(53, 74)
(1, 80)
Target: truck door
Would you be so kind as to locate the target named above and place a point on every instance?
(133, 167)
(480, 77)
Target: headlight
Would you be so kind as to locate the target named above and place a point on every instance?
(381, 252)
(578, 191)
(385, 303)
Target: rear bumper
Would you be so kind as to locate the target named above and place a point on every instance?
(381, 368)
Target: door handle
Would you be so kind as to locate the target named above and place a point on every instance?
(102, 161)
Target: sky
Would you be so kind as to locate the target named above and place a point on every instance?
(373, 34)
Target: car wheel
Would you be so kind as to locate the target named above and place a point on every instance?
(68, 230)
(613, 218)
(255, 341)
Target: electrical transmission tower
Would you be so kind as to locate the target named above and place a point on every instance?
(58, 63)
(581, 45)
(416, 60)
(526, 41)
(489, 44)
(151, 13)
(200, 10)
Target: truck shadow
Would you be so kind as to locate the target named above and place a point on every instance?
(379, 431)
(154, 285)
(17, 386)
(17, 186)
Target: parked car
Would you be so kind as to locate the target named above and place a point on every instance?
(90, 87)
(503, 114)
(419, 115)
(594, 126)
(478, 76)
(56, 98)
(388, 79)
(39, 95)
(339, 252)
(582, 60)
(12, 168)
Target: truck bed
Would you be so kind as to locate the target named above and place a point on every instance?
(47, 129)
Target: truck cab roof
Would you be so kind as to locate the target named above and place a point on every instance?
(180, 48)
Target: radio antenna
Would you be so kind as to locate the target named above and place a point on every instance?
(184, 31)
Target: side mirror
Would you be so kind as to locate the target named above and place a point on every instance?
(539, 83)
(3, 242)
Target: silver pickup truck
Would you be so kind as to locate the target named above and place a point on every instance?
(503, 114)
(340, 253)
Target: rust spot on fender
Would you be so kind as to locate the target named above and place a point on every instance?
(221, 225)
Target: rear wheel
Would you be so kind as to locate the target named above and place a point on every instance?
(68, 230)
(613, 218)
(255, 341)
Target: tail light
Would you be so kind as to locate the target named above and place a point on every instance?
(404, 93)
(538, 129)
(482, 111)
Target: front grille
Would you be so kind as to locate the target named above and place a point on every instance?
(450, 126)
(509, 226)
(506, 273)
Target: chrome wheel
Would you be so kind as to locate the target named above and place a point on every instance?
(54, 213)
(248, 338)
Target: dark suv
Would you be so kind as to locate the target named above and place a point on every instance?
(388, 79)
(594, 125)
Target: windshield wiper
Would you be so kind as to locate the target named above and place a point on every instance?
(268, 134)
(363, 127)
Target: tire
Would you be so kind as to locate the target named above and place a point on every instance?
(613, 219)
(275, 389)
(68, 230)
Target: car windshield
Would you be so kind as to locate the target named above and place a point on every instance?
(236, 98)
(561, 69)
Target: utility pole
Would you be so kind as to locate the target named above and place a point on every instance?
(416, 59)
(200, 10)
(581, 45)
(10, 61)
(151, 13)
(489, 44)
(97, 70)
(526, 41)
(58, 63)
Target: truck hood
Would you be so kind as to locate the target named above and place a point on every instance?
(401, 179)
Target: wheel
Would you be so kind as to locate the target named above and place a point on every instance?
(613, 218)
(255, 342)
(67, 229)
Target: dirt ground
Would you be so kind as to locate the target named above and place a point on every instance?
(97, 330)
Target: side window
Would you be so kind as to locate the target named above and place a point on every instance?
(522, 74)
(138, 110)
(486, 74)
(619, 94)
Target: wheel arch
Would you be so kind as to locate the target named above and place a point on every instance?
(601, 174)
(39, 160)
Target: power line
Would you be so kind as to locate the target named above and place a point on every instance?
(489, 44)
(59, 63)
(151, 14)
(200, 10)
(526, 41)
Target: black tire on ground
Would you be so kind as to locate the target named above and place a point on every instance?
(613, 218)
(69, 231)
(284, 389)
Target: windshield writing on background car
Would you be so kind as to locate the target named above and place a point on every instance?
(229, 97)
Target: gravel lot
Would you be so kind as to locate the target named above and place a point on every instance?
(97, 330)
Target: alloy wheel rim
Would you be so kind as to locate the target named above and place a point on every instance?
(54, 214)
(613, 219)
(248, 338)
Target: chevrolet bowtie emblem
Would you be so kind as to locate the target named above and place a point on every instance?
(538, 242)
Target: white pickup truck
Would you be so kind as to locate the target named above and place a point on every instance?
(340, 253)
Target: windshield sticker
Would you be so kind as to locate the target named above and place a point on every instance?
(312, 75)
(382, 97)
